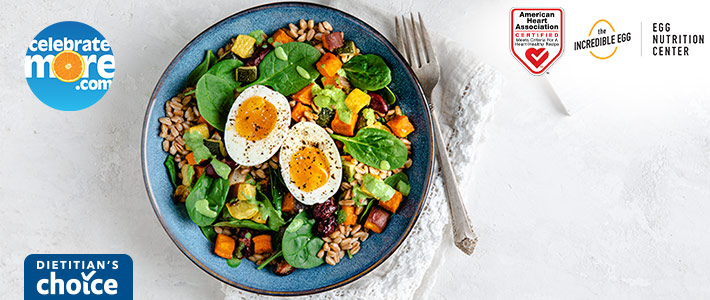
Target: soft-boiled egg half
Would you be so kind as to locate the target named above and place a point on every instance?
(310, 163)
(257, 125)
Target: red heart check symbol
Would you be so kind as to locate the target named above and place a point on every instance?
(536, 56)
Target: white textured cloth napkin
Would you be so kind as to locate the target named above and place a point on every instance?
(470, 88)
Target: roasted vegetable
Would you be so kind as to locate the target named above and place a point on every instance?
(377, 220)
(333, 41)
(288, 205)
(283, 268)
(357, 100)
(216, 147)
(202, 129)
(325, 116)
(348, 167)
(393, 203)
(281, 37)
(224, 246)
(328, 65)
(347, 48)
(243, 46)
(350, 217)
(262, 244)
(246, 74)
(298, 111)
(343, 128)
(246, 192)
(242, 210)
(400, 125)
(305, 95)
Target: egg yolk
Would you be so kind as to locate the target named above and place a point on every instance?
(309, 169)
(256, 118)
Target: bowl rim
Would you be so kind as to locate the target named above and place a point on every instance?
(149, 190)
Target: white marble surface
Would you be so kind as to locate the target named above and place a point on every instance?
(609, 203)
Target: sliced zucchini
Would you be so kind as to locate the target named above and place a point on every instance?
(246, 74)
(216, 147)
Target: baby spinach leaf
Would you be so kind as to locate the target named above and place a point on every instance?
(215, 96)
(282, 75)
(226, 70)
(267, 210)
(214, 191)
(194, 140)
(395, 178)
(277, 185)
(197, 193)
(201, 69)
(368, 72)
(400, 181)
(403, 188)
(172, 172)
(244, 224)
(377, 188)
(371, 146)
(300, 247)
(234, 262)
(388, 95)
(209, 233)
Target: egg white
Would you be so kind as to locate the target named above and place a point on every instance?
(310, 134)
(251, 153)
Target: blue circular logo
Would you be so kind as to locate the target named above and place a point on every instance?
(69, 66)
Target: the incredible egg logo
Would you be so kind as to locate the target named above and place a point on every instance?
(69, 66)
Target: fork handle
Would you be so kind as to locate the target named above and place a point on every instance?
(464, 237)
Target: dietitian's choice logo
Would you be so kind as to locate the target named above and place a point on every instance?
(69, 66)
(536, 37)
(78, 276)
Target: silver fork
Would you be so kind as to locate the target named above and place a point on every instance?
(415, 43)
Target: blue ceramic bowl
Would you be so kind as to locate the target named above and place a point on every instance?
(187, 236)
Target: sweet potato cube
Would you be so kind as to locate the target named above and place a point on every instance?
(280, 36)
(333, 41)
(262, 244)
(336, 81)
(305, 95)
(400, 126)
(328, 65)
(350, 216)
(377, 220)
(288, 205)
(342, 128)
(393, 203)
(298, 111)
(224, 246)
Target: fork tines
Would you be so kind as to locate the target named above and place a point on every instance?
(413, 40)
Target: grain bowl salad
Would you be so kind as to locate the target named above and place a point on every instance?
(288, 149)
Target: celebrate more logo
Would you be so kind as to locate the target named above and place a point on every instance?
(69, 66)
(78, 276)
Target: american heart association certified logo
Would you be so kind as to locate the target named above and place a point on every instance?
(536, 37)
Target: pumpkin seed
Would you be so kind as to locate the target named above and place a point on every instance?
(280, 54)
(301, 71)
